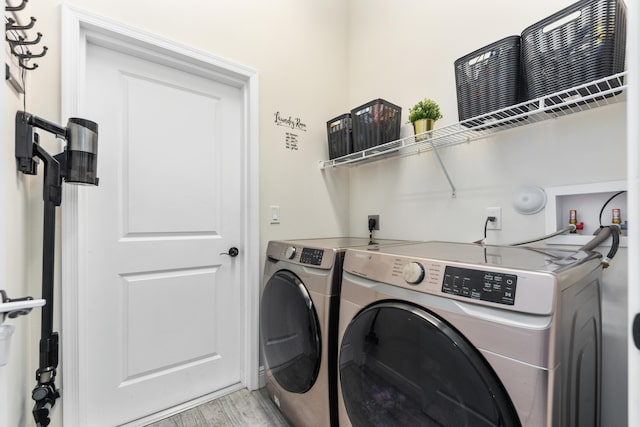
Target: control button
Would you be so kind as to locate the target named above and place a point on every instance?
(290, 252)
(413, 273)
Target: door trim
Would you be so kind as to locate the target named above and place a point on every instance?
(78, 28)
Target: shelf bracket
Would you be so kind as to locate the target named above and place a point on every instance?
(444, 169)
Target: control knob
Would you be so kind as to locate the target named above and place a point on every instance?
(413, 273)
(290, 252)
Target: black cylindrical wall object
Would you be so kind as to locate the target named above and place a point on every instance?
(82, 152)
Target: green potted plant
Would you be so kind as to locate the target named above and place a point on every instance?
(423, 116)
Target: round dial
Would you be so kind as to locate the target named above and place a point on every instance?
(290, 252)
(413, 273)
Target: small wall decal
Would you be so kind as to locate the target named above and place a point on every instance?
(291, 141)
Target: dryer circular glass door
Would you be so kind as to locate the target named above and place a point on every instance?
(290, 332)
(402, 365)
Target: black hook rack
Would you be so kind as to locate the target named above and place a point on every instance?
(15, 35)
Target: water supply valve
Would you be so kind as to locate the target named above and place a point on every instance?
(573, 220)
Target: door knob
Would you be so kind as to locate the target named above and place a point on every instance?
(233, 252)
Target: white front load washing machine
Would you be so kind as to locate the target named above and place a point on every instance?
(451, 334)
(299, 324)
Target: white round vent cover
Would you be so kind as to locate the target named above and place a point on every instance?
(529, 200)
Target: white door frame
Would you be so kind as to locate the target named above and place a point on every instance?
(79, 27)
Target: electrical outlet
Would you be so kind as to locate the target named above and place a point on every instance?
(377, 220)
(497, 213)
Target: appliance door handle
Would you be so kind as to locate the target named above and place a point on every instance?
(635, 330)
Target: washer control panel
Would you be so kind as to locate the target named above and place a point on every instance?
(311, 256)
(465, 273)
(483, 285)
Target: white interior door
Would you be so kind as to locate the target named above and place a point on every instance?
(162, 317)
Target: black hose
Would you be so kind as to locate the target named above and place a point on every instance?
(614, 246)
(601, 236)
(607, 202)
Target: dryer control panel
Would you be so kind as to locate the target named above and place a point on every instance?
(294, 253)
(311, 256)
(482, 285)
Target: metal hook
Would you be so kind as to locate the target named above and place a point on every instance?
(30, 55)
(10, 24)
(26, 67)
(16, 8)
(22, 42)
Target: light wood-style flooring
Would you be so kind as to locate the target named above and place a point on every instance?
(242, 408)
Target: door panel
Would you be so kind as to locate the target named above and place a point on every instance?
(191, 124)
(164, 307)
(155, 341)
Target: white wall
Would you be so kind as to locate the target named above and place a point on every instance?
(403, 51)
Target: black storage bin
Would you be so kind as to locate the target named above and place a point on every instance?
(577, 45)
(375, 123)
(339, 136)
(489, 79)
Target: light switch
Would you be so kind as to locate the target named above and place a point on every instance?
(275, 214)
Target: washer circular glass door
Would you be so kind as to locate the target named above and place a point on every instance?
(402, 365)
(290, 332)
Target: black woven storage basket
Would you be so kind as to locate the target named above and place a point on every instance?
(375, 123)
(339, 136)
(489, 79)
(577, 45)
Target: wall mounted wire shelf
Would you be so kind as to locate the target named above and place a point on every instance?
(595, 94)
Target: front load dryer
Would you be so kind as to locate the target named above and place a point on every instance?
(299, 324)
(451, 334)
